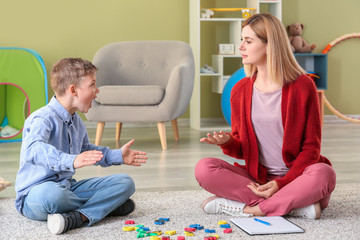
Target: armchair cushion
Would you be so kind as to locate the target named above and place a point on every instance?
(133, 95)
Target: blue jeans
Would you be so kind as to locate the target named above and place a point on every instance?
(95, 198)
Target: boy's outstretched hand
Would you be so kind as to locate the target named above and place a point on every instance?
(132, 157)
(87, 158)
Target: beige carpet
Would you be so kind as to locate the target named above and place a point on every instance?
(341, 220)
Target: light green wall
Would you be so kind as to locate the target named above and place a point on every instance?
(77, 28)
(324, 21)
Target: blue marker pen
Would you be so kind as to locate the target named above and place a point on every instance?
(263, 222)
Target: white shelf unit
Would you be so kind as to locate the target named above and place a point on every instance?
(234, 26)
(219, 80)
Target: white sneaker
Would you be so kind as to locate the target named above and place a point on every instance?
(59, 223)
(222, 205)
(312, 211)
(56, 223)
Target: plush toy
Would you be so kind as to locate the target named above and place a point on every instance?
(298, 44)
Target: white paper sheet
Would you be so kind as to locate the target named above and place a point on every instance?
(278, 225)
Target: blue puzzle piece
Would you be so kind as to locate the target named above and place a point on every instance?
(225, 225)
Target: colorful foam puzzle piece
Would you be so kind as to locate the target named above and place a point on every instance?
(228, 230)
(159, 222)
(159, 232)
(225, 225)
(189, 233)
(145, 229)
(155, 238)
(129, 222)
(180, 238)
(209, 238)
(173, 232)
(165, 219)
(140, 235)
(128, 229)
(222, 222)
(151, 234)
(190, 229)
(215, 236)
(194, 225)
(209, 230)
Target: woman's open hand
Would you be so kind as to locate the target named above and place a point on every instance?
(216, 138)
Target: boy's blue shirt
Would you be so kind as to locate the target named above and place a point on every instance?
(52, 138)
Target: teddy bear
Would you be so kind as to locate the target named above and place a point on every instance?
(298, 44)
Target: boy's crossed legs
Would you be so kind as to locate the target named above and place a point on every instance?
(87, 200)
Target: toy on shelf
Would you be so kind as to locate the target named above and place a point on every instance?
(206, 13)
(325, 51)
(8, 131)
(226, 48)
(245, 11)
(313, 75)
(298, 43)
(208, 69)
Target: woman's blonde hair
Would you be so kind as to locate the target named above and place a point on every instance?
(282, 66)
(68, 71)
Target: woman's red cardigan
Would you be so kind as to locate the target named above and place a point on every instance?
(302, 129)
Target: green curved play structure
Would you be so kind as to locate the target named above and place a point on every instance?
(23, 89)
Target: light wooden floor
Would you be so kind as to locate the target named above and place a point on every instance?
(174, 169)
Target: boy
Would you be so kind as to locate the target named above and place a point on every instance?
(55, 143)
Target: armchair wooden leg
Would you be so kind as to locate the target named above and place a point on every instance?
(175, 129)
(162, 134)
(118, 134)
(99, 132)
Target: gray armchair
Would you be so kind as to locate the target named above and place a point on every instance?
(142, 81)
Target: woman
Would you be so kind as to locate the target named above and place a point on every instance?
(276, 129)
